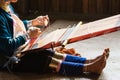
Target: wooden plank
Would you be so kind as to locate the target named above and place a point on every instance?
(63, 6)
(115, 6)
(92, 6)
(106, 7)
(80, 32)
(95, 28)
(70, 5)
(41, 5)
(85, 6)
(55, 4)
(100, 6)
(77, 6)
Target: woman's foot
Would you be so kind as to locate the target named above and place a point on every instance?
(106, 52)
(96, 66)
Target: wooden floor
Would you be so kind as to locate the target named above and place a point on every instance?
(89, 48)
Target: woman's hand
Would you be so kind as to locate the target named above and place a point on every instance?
(33, 32)
(40, 21)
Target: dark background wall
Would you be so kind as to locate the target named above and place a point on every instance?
(68, 9)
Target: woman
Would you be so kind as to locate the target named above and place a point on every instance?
(15, 33)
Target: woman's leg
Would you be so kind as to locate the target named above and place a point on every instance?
(77, 59)
(72, 68)
(66, 68)
(97, 66)
(69, 58)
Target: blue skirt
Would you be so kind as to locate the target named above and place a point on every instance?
(34, 62)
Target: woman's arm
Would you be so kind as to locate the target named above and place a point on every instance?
(8, 44)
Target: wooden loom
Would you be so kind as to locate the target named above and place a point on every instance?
(75, 33)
